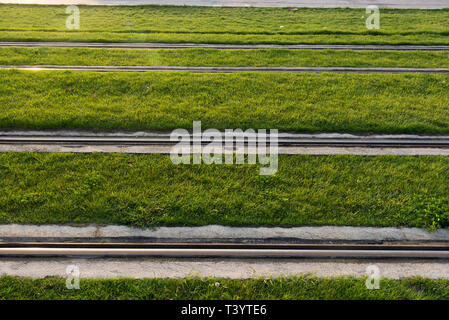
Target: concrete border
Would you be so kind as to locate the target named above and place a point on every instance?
(221, 233)
(219, 268)
(166, 134)
(166, 149)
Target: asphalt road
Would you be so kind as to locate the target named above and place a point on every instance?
(410, 4)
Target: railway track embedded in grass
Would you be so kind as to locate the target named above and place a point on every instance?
(225, 250)
(283, 139)
(225, 69)
(156, 45)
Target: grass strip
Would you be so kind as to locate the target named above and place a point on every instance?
(148, 190)
(222, 25)
(216, 57)
(297, 288)
(413, 103)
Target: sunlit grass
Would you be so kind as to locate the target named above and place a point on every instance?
(296, 288)
(222, 25)
(214, 57)
(149, 190)
(301, 102)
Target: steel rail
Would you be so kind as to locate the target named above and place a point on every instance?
(124, 45)
(161, 140)
(225, 250)
(225, 69)
(93, 243)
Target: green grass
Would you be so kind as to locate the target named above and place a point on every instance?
(213, 57)
(301, 102)
(222, 25)
(148, 190)
(297, 288)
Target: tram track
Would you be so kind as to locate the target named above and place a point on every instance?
(226, 69)
(225, 250)
(155, 45)
(282, 139)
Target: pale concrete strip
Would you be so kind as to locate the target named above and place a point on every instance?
(224, 69)
(410, 4)
(161, 149)
(218, 268)
(157, 133)
(122, 45)
(223, 232)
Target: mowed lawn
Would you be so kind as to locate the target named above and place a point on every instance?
(222, 25)
(216, 57)
(400, 103)
(297, 288)
(149, 190)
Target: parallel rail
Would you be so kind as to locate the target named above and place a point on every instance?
(225, 69)
(198, 250)
(158, 140)
(123, 45)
